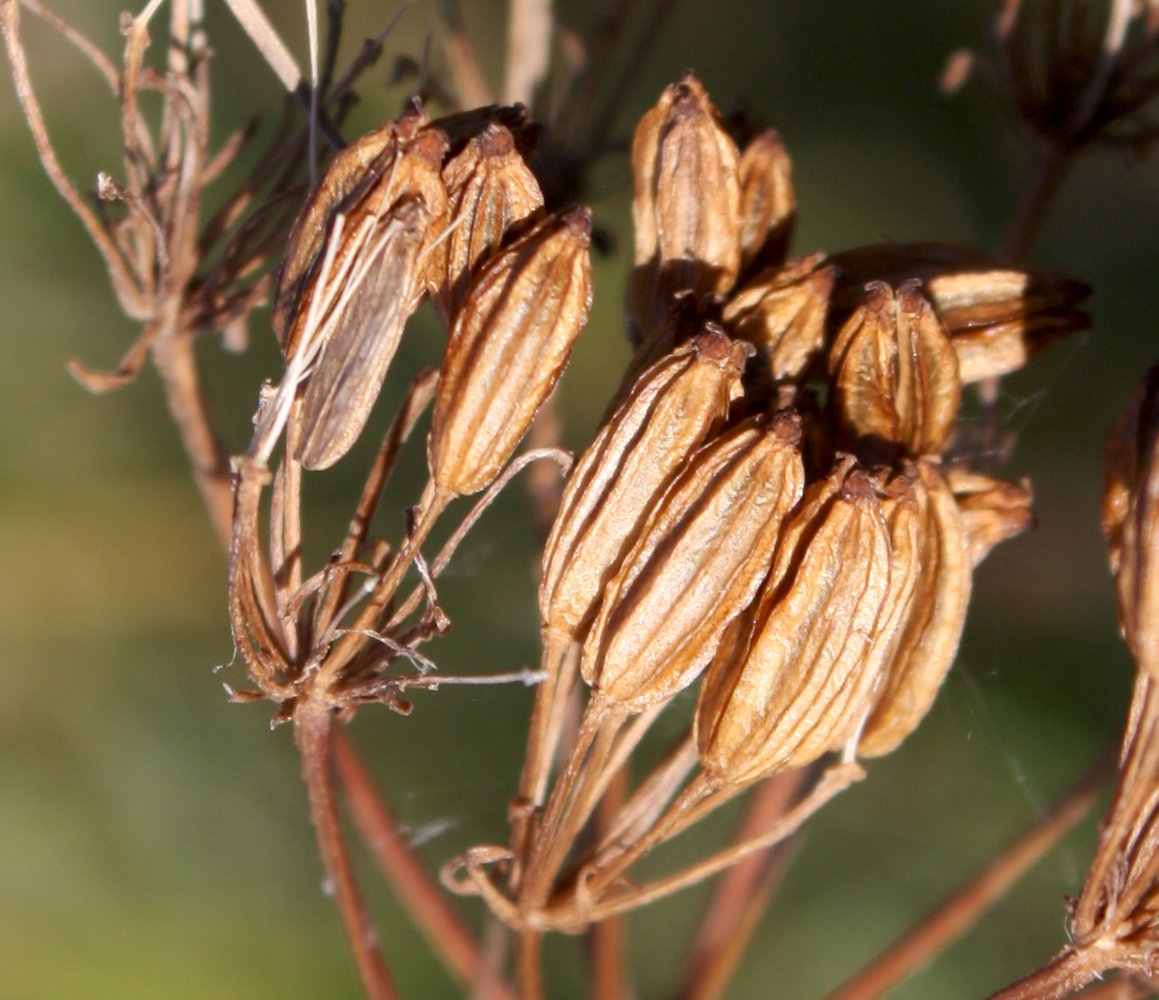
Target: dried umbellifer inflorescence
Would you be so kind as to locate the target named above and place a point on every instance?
(507, 349)
(696, 564)
(670, 410)
(798, 686)
(686, 207)
(352, 277)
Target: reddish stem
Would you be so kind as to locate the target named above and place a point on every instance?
(312, 733)
(421, 896)
(1066, 973)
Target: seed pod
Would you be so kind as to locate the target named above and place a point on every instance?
(998, 317)
(991, 510)
(895, 371)
(931, 628)
(696, 564)
(685, 205)
(797, 687)
(670, 411)
(353, 316)
(489, 189)
(1131, 520)
(782, 312)
(509, 345)
(768, 202)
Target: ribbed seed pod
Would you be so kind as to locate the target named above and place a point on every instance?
(373, 286)
(796, 687)
(929, 633)
(991, 510)
(895, 371)
(782, 312)
(685, 205)
(768, 202)
(508, 347)
(1131, 520)
(489, 189)
(998, 317)
(696, 564)
(671, 410)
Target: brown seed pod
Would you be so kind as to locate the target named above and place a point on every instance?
(927, 636)
(991, 510)
(1131, 520)
(768, 202)
(489, 189)
(800, 683)
(508, 347)
(672, 408)
(997, 316)
(782, 312)
(350, 315)
(895, 372)
(685, 205)
(696, 564)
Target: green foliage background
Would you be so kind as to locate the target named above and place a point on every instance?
(156, 841)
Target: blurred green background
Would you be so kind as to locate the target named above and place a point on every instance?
(155, 837)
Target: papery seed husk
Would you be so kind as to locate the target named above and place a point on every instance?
(489, 189)
(782, 312)
(931, 629)
(346, 378)
(992, 510)
(1131, 520)
(696, 564)
(896, 372)
(352, 172)
(791, 692)
(997, 316)
(685, 206)
(508, 347)
(768, 202)
(672, 408)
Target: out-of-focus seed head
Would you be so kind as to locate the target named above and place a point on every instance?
(346, 304)
(489, 189)
(508, 347)
(998, 317)
(926, 637)
(685, 206)
(699, 559)
(895, 372)
(671, 409)
(801, 683)
(783, 312)
(768, 202)
(1131, 520)
(991, 510)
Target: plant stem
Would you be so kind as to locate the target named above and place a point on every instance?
(312, 733)
(1034, 204)
(958, 913)
(425, 903)
(1066, 973)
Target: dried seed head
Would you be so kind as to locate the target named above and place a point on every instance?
(509, 345)
(671, 409)
(926, 637)
(348, 314)
(685, 206)
(1131, 520)
(698, 561)
(991, 510)
(998, 317)
(489, 189)
(801, 682)
(895, 372)
(782, 312)
(768, 202)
